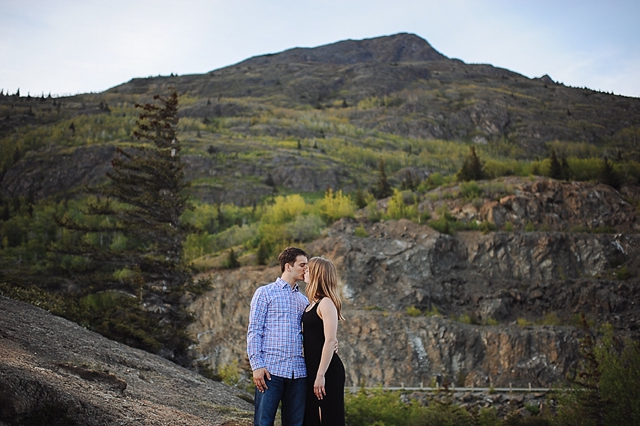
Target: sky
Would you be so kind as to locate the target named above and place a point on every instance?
(68, 47)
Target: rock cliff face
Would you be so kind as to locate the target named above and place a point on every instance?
(495, 309)
(53, 371)
(48, 172)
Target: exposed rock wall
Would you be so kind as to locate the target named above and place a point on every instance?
(498, 308)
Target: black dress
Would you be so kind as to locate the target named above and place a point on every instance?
(332, 404)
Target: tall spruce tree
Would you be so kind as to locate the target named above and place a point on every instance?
(555, 167)
(137, 216)
(472, 168)
(383, 188)
(608, 175)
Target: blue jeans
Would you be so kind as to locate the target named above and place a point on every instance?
(291, 392)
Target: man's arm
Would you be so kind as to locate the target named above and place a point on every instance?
(255, 337)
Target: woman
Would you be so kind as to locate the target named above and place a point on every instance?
(325, 372)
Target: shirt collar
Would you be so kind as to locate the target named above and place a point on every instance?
(282, 283)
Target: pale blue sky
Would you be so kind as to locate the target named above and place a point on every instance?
(78, 46)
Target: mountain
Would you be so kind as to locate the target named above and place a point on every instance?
(344, 105)
(427, 94)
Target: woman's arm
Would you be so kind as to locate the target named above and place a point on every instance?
(329, 314)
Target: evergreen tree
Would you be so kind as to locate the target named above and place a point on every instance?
(232, 260)
(472, 168)
(360, 199)
(565, 168)
(382, 188)
(17, 155)
(587, 378)
(409, 181)
(140, 209)
(608, 175)
(5, 213)
(555, 167)
(263, 252)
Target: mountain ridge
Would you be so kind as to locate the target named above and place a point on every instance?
(414, 91)
(401, 47)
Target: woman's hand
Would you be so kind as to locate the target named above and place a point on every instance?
(318, 387)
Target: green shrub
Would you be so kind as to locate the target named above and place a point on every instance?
(284, 209)
(487, 227)
(424, 217)
(496, 190)
(374, 214)
(532, 408)
(433, 312)
(550, 318)
(413, 311)
(230, 373)
(368, 407)
(398, 209)
(433, 181)
(619, 362)
(469, 190)
(491, 321)
(488, 416)
(361, 232)
(522, 322)
(305, 228)
(465, 319)
(606, 383)
(335, 206)
(379, 407)
(441, 225)
(623, 273)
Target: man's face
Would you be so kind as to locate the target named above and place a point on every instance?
(299, 267)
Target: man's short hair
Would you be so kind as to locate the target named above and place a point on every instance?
(289, 255)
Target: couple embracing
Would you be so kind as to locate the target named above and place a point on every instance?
(292, 344)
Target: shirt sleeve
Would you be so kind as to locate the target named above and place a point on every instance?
(255, 333)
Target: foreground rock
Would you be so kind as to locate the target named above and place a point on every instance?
(53, 371)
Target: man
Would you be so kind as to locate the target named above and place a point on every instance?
(274, 343)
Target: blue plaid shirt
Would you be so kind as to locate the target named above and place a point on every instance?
(274, 338)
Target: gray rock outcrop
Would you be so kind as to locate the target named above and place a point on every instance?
(498, 309)
(53, 369)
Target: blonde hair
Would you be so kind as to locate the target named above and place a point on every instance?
(323, 282)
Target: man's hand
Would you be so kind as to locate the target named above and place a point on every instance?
(259, 378)
(335, 349)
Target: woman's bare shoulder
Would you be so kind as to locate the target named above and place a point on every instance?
(327, 304)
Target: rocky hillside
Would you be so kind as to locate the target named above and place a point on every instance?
(315, 118)
(414, 91)
(498, 308)
(53, 371)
